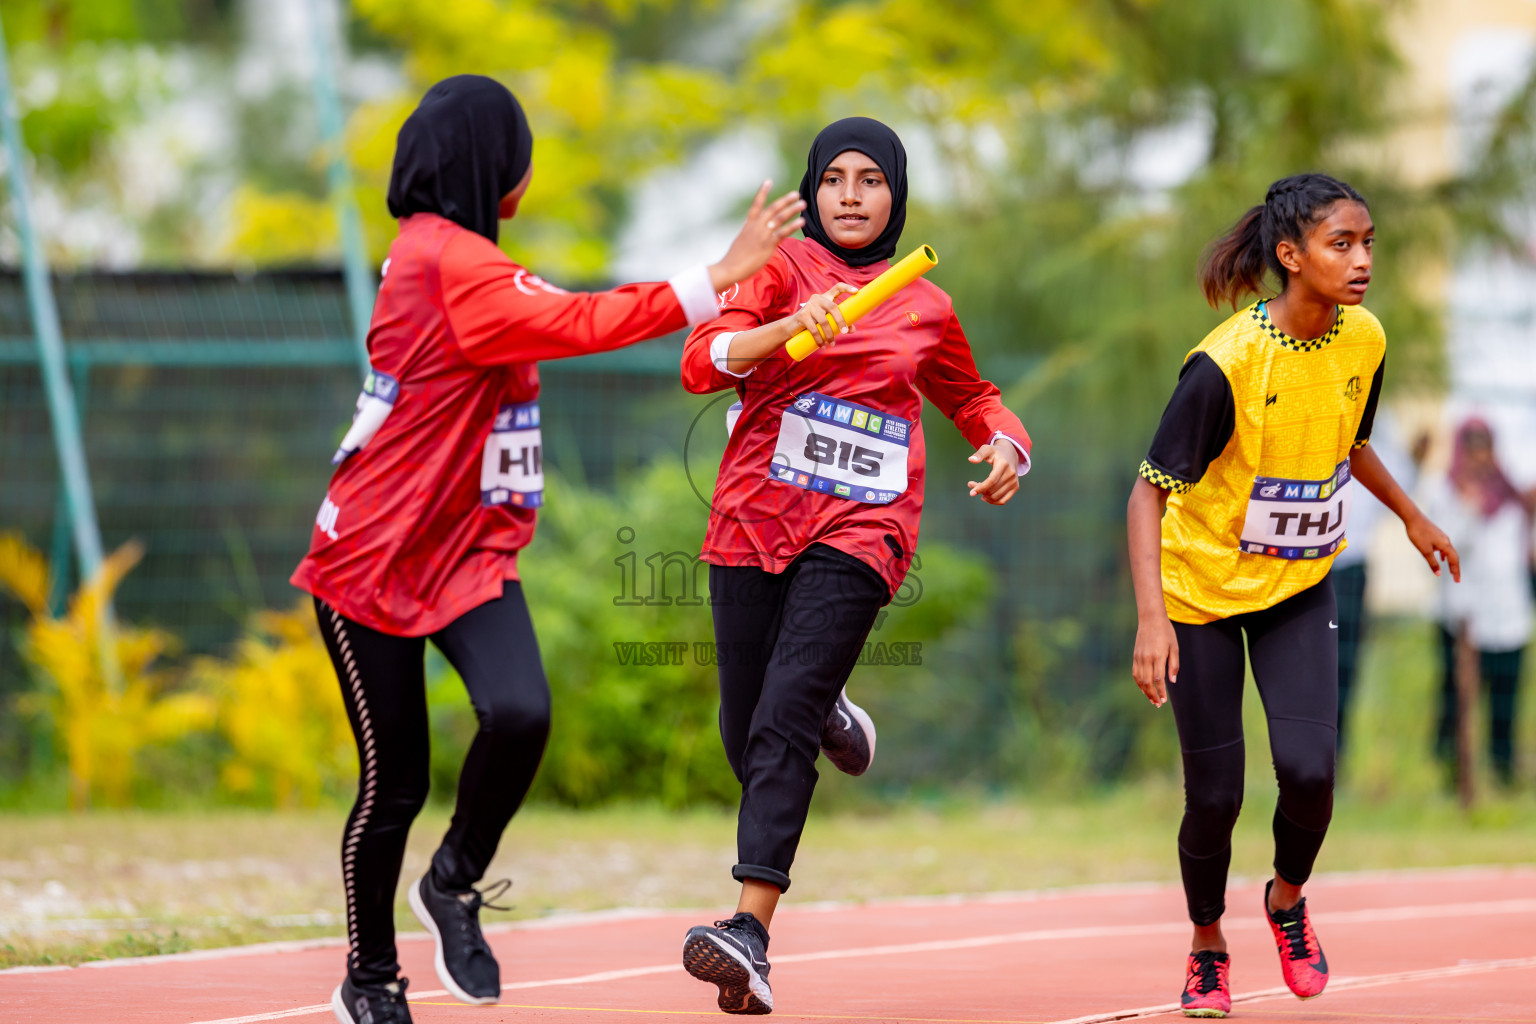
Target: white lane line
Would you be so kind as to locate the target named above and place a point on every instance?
(1334, 985)
(1443, 910)
(299, 1011)
(568, 919)
(1470, 909)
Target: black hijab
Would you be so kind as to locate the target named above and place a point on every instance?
(881, 145)
(464, 147)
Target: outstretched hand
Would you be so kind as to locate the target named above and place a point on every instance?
(767, 225)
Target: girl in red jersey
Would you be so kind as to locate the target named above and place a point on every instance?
(816, 509)
(434, 494)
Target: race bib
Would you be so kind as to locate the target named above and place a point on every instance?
(512, 469)
(374, 405)
(1297, 518)
(839, 448)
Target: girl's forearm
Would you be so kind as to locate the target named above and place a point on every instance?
(1144, 534)
(1366, 466)
(748, 348)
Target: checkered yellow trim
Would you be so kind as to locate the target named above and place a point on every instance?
(1360, 444)
(1157, 478)
(1260, 314)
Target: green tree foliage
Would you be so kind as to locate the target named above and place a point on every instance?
(62, 23)
(1076, 156)
(88, 75)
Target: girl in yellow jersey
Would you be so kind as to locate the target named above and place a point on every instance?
(1241, 504)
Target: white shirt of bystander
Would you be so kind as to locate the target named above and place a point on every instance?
(1494, 595)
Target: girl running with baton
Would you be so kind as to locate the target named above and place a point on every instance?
(434, 494)
(1239, 510)
(816, 509)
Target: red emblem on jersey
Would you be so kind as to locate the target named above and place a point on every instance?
(913, 317)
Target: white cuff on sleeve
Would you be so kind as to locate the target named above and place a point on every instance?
(696, 294)
(1023, 455)
(719, 352)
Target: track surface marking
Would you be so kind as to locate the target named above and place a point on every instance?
(1441, 946)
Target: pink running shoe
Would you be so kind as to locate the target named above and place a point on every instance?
(1301, 955)
(1206, 992)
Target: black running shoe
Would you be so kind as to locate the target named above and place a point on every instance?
(371, 1004)
(734, 956)
(848, 737)
(464, 962)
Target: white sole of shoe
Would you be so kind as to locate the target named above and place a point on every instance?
(419, 908)
(865, 722)
(339, 1008)
(854, 719)
(742, 989)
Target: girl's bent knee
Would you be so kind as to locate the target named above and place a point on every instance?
(522, 721)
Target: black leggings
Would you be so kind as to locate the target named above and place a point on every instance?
(1294, 650)
(1349, 588)
(786, 644)
(383, 684)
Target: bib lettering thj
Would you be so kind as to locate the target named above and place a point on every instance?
(1298, 518)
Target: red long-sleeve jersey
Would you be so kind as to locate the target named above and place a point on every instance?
(791, 473)
(437, 482)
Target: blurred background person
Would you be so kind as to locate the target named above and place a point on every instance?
(1488, 520)
(1350, 576)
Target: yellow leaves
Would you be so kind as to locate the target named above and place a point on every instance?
(275, 700)
(470, 36)
(284, 227)
(609, 102)
(24, 572)
(577, 84)
(102, 723)
(943, 63)
(601, 119)
(281, 711)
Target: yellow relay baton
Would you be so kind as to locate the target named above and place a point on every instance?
(917, 263)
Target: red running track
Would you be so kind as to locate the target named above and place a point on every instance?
(1455, 945)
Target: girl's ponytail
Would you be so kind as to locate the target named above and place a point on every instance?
(1234, 264)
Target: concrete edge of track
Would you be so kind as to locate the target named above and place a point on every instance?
(566, 919)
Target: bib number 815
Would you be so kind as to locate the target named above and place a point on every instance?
(844, 454)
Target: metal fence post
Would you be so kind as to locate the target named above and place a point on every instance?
(50, 339)
(361, 289)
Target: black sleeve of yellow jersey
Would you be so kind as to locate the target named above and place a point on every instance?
(1195, 428)
(1368, 419)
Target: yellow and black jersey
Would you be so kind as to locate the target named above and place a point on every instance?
(1255, 447)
